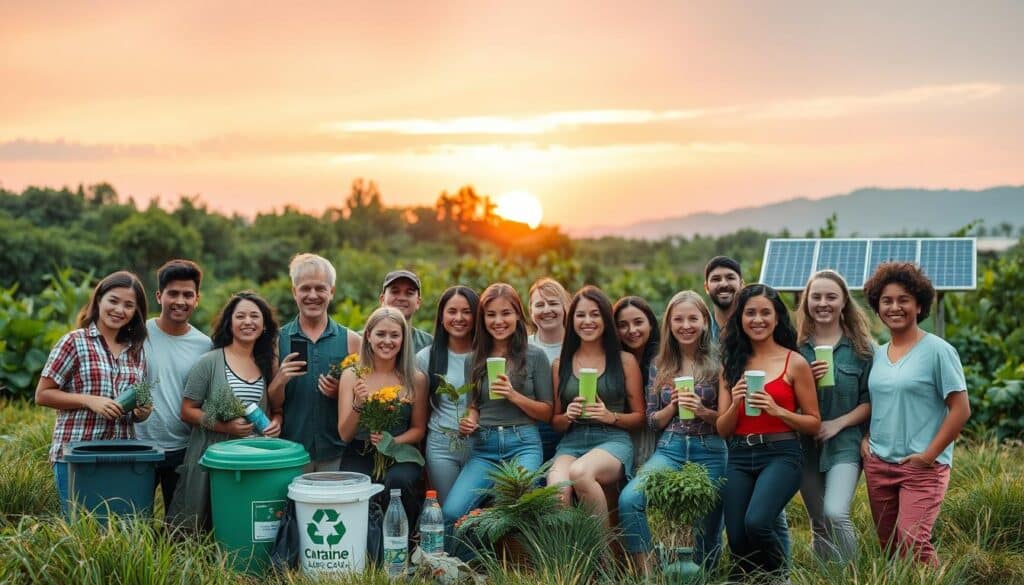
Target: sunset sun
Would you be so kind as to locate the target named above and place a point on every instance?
(520, 206)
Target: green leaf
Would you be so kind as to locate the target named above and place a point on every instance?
(400, 452)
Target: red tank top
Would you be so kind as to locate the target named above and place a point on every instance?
(785, 397)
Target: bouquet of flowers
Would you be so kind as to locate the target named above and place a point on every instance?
(456, 442)
(350, 361)
(381, 412)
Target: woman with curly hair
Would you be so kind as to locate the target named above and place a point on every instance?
(763, 472)
(827, 316)
(918, 408)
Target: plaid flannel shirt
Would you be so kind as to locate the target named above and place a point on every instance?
(81, 363)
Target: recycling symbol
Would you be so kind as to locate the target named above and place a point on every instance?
(326, 526)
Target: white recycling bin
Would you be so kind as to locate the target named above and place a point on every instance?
(332, 512)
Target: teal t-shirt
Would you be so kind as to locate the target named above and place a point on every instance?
(908, 398)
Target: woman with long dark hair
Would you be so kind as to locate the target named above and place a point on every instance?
(447, 447)
(243, 361)
(764, 467)
(919, 406)
(638, 331)
(502, 415)
(596, 449)
(828, 317)
(686, 350)
(90, 366)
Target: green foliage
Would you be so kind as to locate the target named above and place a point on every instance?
(223, 405)
(516, 504)
(30, 326)
(987, 329)
(681, 497)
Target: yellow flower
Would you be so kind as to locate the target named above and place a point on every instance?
(350, 361)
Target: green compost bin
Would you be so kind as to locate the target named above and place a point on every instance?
(112, 476)
(249, 481)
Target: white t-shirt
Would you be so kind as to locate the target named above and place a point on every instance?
(444, 412)
(169, 358)
(552, 350)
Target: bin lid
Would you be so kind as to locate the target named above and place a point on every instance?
(112, 451)
(254, 454)
(334, 487)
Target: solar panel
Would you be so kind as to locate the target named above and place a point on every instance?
(790, 262)
(891, 250)
(847, 257)
(951, 263)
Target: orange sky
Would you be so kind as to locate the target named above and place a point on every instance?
(608, 112)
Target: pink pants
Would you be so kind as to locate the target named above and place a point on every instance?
(905, 502)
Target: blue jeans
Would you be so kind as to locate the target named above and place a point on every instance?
(443, 463)
(674, 450)
(760, 481)
(490, 446)
(60, 476)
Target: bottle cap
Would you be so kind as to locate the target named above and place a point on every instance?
(431, 494)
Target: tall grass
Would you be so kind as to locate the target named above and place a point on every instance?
(979, 535)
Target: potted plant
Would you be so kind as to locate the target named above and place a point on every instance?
(680, 499)
(517, 504)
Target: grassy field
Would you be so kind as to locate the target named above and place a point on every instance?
(980, 533)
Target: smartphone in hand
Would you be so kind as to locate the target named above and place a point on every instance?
(301, 347)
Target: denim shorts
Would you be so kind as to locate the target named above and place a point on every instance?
(581, 438)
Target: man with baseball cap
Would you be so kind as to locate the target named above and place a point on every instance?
(401, 290)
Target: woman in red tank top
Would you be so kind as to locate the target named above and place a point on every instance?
(764, 468)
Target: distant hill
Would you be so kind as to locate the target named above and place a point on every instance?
(864, 212)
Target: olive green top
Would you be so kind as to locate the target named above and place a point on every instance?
(614, 398)
(190, 507)
(534, 383)
(850, 391)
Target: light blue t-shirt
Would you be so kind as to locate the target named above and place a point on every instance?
(444, 413)
(168, 360)
(908, 398)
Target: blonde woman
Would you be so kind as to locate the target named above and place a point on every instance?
(388, 353)
(549, 302)
(827, 316)
(686, 350)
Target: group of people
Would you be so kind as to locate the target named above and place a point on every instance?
(893, 410)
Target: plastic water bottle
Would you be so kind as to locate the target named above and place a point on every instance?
(431, 526)
(396, 536)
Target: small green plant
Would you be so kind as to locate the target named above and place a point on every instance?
(681, 498)
(224, 405)
(517, 504)
(456, 441)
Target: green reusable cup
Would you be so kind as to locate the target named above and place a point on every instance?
(495, 367)
(684, 384)
(824, 353)
(755, 383)
(588, 387)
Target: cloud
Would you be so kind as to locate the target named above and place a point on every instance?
(834, 107)
(524, 125)
(801, 109)
(64, 151)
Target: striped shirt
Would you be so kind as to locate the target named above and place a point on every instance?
(247, 392)
(81, 363)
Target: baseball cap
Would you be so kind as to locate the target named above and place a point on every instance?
(399, 274)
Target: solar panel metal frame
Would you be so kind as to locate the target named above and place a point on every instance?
(869, 267)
